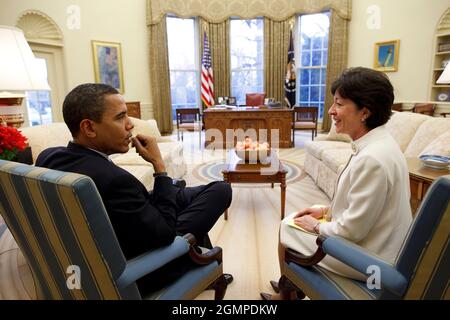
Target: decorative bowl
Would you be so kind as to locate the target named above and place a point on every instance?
(435, 161)
(260, 155)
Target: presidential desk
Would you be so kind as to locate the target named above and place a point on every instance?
(267, 124)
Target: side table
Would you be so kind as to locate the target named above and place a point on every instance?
(420, 179)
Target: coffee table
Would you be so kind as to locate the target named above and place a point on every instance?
(238, 171)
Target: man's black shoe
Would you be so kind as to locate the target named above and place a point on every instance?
(228, 279)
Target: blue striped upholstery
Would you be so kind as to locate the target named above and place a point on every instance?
(424, 260)
(318, 283)
(58, 219)
(190, 284)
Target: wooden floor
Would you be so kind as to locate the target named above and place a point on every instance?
(249, 237)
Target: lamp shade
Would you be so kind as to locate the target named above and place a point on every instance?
(445, 75)
(18, 66)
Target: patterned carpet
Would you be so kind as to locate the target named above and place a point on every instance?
(248, 238)
(212, 171)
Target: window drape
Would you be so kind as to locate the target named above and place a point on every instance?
(219, 39)
(220, 10)
(214, 19)
(276, 40)
(160, 76)
(337, 60)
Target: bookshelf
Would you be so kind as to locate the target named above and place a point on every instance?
(440, 93)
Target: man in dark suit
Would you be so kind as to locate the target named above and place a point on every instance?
(96, 115)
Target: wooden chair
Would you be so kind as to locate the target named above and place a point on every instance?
(134, 109)
(397, 107)
(60, 223)
(189, 119)
(424, 108)
(255, 99)
(421, 270)
(304, 118)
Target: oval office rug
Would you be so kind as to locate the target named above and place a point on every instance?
(212, 171)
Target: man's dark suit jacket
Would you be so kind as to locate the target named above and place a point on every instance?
(141, 221)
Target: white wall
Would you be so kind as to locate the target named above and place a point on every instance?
(414, 23)
(103, 20)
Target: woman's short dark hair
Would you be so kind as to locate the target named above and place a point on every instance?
(86, 101)
(367, 88)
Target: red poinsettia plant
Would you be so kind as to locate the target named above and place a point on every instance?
(11, 142)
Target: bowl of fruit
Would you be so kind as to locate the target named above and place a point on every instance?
(252, 151)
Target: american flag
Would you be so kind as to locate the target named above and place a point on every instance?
(207, 78)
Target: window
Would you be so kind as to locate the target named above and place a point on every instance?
(39, 103)
(247, 56)
(184, 70)
(313, 54)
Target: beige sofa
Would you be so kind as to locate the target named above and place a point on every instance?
(57, 134)
(415, 133)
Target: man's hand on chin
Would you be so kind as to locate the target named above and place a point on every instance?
(147, 147)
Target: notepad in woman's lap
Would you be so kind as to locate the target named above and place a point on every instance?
(292, 223)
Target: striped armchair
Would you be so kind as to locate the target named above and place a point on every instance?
(421, 271)
(60, 223)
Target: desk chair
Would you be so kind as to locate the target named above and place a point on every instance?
(421, 271)
(60, 224)
(255, 99)
(189, 119)
(305, 118)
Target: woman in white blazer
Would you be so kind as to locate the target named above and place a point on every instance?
(371, 203)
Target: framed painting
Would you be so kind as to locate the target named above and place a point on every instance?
(386, 55)
(108, 64)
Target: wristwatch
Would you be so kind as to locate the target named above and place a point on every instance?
(160, 174)
(316, 227)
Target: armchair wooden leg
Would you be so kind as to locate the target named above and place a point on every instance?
(288, 290)
(220, 287)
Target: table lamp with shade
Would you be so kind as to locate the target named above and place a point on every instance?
(18, 73)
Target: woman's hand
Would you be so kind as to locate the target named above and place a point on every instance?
(315, 212)
(307, 222)
(148, 149)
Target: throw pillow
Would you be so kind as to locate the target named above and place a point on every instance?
(145, 127)
(440, 146)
